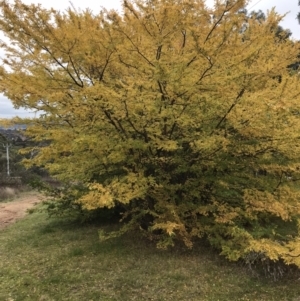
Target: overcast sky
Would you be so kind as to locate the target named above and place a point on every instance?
(288, 6)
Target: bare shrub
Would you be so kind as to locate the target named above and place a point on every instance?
(7, 193)
(259, 264)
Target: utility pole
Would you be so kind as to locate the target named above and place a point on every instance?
(7, 158)
(7, 146)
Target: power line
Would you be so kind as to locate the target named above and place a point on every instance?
(254, 4)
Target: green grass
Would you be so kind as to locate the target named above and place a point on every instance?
(47, 259)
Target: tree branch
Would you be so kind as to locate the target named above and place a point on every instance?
(229, 110)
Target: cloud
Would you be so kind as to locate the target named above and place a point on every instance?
(8, 111)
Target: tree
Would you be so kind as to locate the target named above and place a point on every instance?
(298, 16)
(170, 110)
(12, 140)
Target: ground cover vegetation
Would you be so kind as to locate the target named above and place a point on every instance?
(54, 259)
(185, 118)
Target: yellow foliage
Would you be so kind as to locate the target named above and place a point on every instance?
(283, 203)
(188, 116)
(98, 197)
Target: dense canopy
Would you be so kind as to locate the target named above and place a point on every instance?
(186, 116)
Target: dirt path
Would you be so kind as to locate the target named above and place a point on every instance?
(12, 211)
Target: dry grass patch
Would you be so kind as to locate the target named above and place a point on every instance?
(8, 193)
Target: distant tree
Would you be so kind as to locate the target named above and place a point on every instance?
(12, 140)
(170, 110)
(280, 32)
(298, 16)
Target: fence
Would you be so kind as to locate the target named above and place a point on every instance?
(10, 181)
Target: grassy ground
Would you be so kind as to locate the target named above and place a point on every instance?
(43, 260)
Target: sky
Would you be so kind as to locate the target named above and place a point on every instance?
(281, 6)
